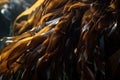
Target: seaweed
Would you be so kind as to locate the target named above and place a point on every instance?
(64, 40)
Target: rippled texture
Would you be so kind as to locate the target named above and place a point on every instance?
(64, 40)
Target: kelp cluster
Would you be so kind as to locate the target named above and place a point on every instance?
(9, 10)
(64, 40)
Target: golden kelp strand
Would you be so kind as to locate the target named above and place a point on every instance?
(30, 11)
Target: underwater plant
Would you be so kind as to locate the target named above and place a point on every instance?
(64, 40)
(2, 2)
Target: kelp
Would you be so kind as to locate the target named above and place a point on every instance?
(2, 2)
(64, 40)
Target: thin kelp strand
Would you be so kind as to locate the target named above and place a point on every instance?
(113, 29)
(47, 33)
(85, 27)
(53, 22)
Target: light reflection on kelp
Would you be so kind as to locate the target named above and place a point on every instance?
(64, 40)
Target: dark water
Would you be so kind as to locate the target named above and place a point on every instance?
(8, 14)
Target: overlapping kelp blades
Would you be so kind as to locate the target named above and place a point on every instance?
(12, 40)
(91, 46)
(61, 31)
(50, 50)
(74, 48)
(23, 46)
(31, 60)
(26, 63)
(45, 31)
(37, 13)
(58, 37)
(56, 49)
(45, 60)
(50, 6)
(18, 24)
(75, 5)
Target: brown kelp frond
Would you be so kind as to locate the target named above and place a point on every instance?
(24, 44)
(94, 24)
(64, 40)
(33, 15)
(75, 5)
(2, 2)
(28, 21)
